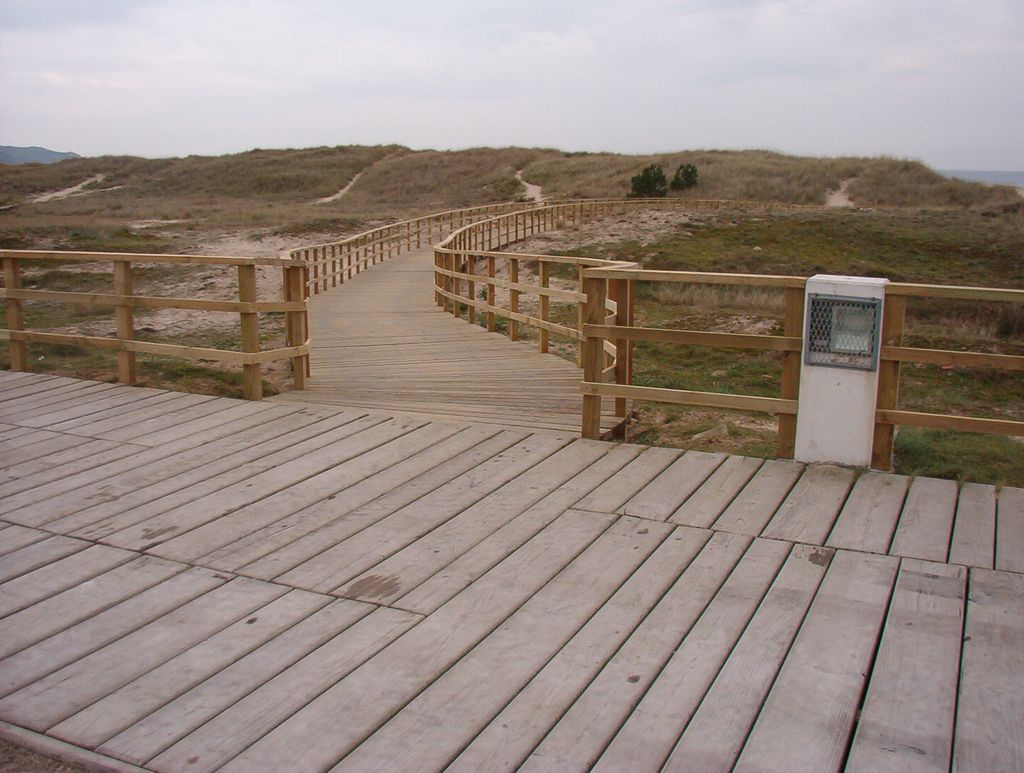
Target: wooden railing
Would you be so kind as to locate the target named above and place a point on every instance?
(124, 302)
(334, 263)
(459, 256)
(604, 329)
(894, 353)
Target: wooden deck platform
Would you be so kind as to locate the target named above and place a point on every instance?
(191, 583)
(380, 342)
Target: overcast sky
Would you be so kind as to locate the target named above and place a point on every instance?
(937, 80)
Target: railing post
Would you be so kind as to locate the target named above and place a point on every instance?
(593, 350)
(15, 314)
(580, 316)
(125, 320)
(490, 293)
(295, 323)
(252, 384)
(894, 314)
(471, 288)
(621, 291)
(513, 298)
(316, 271)
(544, 269)
(792, 325)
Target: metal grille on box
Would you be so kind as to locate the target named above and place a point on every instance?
(842, 332)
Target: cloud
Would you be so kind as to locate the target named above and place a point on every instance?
(937, 80)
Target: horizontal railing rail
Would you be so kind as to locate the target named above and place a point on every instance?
(334, 263)
(604, 330)
(123, 301)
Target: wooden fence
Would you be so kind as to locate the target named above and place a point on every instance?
(604, 328)
(124, 302)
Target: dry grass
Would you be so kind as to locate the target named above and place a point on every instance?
(766, 176)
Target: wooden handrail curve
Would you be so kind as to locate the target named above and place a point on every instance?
(604, 331)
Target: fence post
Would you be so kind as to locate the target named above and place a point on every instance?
(295, 323)
(15, 314)
(792, 325)
(593, 355)
(490, 293)
(622, 294)
(252, 384)
(894, 313)
(471, 288)
(513, 298)
(544, 269)
(125, 320)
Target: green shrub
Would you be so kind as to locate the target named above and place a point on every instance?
(650, 183)
(685, 177)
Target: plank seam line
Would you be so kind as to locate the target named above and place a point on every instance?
(668, 658)
(732, 648)
(86, 545)
(149, 546)
(519, 514)
(842, 506)
(97, 648)
(870, 670)
(326, 601)
(899, 518)
(599, 668)
(61, 750)
(968, 580)
(412, 480)
(380, 496)
(732, 499)
(477, 643)
(533, 466)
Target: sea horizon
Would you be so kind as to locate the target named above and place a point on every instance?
(989, 176)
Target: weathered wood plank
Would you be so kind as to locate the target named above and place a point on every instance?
(974, 533)
(926, 522)
(868, 519)
(710, 500)
(375, 691)
(59, 695)
(14, 537)
(330, 569)
(906, 724)
(810, 510)
(611, 495)
(263, 540)
(148, 692)
(315, 529)
(101, 629)
(510, 736)
(817, 692)
(1010, 544)
(54, 577)
(715, 735)
(38, 554)
(348, 444)
(419, 560)
(281, 670)
(434, 727)
(653, 728)
(754, 506)
(332, 482)
(475, 562)
(128, 494)
(661, 497)
(80, 601)
(991, 699)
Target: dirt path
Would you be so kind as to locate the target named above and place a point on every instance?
(74, 190)
(840, 197)
(342, 192)
(533, 192)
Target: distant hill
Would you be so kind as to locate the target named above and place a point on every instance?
(32, 155)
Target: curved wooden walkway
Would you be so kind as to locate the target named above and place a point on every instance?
(379, 341)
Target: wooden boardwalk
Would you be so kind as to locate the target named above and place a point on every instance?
(379, 341)
(190, 583)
